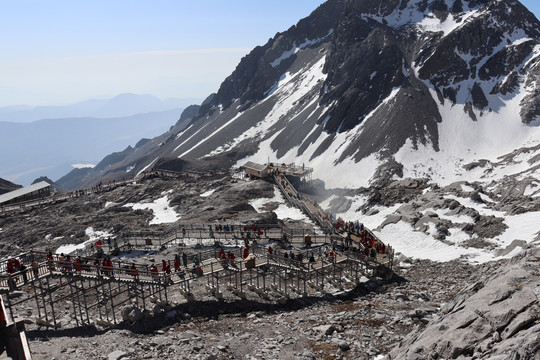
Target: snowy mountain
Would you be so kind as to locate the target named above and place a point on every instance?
(415, 88)
(420, 117)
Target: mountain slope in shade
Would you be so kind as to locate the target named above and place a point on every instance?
(129, 162)
(7, 186)
(52, 147)
(361, 88)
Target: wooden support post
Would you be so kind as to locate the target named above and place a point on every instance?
(258, 287)
(79, 300)
(96, 286)
(84, 297)
(112, 303)
(217, 282)
(36, 296)
(143, 297)
(305, 276)
(10, 308)
(322, 274)
(70, 283)
(51, 302)
(241, 272)
(166, 297)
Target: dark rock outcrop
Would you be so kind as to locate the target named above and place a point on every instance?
(497, 317)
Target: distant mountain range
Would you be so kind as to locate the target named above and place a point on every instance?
(122, 105)
(53, 147)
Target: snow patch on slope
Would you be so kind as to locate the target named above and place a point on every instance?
(462, 141)
(283, 211)
(163, 213)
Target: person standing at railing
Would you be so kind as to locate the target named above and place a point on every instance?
(230, 256)
(110, 266)
(96, 265)
(104, 266)
(176, 263)
(22, 269)
(35, 267)
(154, 273)
(196, 260)
(78, 265)
(50, 261)
(133, 271)
(10, 266)
(168, 280)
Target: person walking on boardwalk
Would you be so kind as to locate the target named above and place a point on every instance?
(184, 259)
(168, 280)
(176, 263)
(154, 272)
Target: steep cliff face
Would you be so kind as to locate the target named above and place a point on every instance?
(358, 84)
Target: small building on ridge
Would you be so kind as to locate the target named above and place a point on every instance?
(34, 191)
(257, 170)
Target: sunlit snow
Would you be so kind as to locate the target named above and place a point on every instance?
(163, 213)
(93, 235)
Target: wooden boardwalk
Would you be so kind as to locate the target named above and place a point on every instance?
(96, 292)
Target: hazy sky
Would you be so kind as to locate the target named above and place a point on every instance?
(62, 51)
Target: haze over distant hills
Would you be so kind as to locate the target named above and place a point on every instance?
(81, 133)
(119, 106)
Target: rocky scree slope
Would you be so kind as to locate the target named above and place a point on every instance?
(50, 226)
(495, 317)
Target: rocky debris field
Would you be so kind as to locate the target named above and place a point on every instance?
(486, 311)
(66, 222)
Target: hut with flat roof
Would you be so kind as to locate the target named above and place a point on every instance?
(34, 191)
(257, 170)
